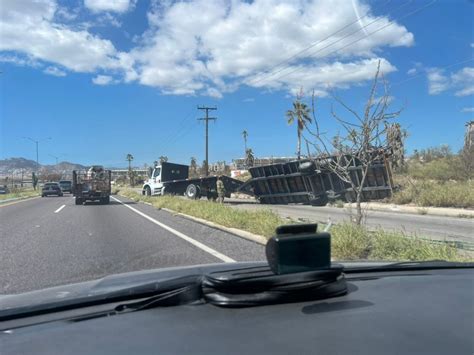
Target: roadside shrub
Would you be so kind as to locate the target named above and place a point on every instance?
(18, 192)
(397, 246)
(349, 241)
(261, 222)
(436, 194)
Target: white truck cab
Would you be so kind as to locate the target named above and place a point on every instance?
(165, 172)
(153, 185)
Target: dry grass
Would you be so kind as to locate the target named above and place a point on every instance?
(19, 193)
(435, 193)
(349, 242)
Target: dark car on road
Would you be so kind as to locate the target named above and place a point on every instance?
(51, 188)
(66, 186)
(4, 190)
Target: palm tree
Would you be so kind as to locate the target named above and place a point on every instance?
(129, 158)
(300, 114)
(130, 175)
(245, 134)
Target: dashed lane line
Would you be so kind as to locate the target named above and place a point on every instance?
(59, 209)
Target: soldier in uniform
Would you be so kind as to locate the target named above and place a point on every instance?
(220, 190)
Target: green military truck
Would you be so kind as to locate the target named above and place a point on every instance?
(93, 184)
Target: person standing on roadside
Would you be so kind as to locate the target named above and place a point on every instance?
(220, 190)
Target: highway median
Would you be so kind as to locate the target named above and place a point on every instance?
(18, 194)
(349, 242)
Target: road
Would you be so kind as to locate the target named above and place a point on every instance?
(50, 241)
(433, 227)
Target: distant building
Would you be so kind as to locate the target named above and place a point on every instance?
(116, 173)
(239, 163)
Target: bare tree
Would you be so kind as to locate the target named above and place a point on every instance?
(249, 158)
(396, 140)
(193, 167)
(361, 143)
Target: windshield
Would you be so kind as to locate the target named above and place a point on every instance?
(357, 116)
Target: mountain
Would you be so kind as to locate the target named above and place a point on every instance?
(7, 165)
(18, 165)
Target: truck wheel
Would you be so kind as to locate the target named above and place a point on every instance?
(104, 200)
(193, 192)
(78, 201)
(147, 190)
(320, 201)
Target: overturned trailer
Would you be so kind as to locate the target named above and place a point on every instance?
(310, 181)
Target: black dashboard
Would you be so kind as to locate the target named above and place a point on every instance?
(406, 312)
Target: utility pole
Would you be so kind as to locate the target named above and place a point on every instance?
(207, 118)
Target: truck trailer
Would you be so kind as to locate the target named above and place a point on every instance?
(307, 181)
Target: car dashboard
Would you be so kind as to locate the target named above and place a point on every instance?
(407, 312)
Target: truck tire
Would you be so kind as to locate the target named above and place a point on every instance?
(78, 201)
(105, 200)
(147, 191)
(320, 201)
(193, 192)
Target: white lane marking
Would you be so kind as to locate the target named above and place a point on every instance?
(194, 242)
(59, 209)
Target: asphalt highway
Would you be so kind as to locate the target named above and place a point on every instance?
(50, 241)
(425, 226)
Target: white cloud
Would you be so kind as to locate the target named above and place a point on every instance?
(472, 45)
(212, 47)
(119, 6)
(55, 71)
(103, 80)
(462, 81)
(437, 82)
(67, 14)
(29, 28)
(248, 99)
(412, 71)
(21, 61)
(235, 41)
(467, 109)
(108, 19)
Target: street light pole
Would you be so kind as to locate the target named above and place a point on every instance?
(37, 144)
(55, 157)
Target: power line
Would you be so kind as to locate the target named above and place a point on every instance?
(270, 73)
(177, 132)
(444, 67)
(206, 119)
(360, 39)
(183, 134)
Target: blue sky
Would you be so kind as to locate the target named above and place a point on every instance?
(107, 78)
